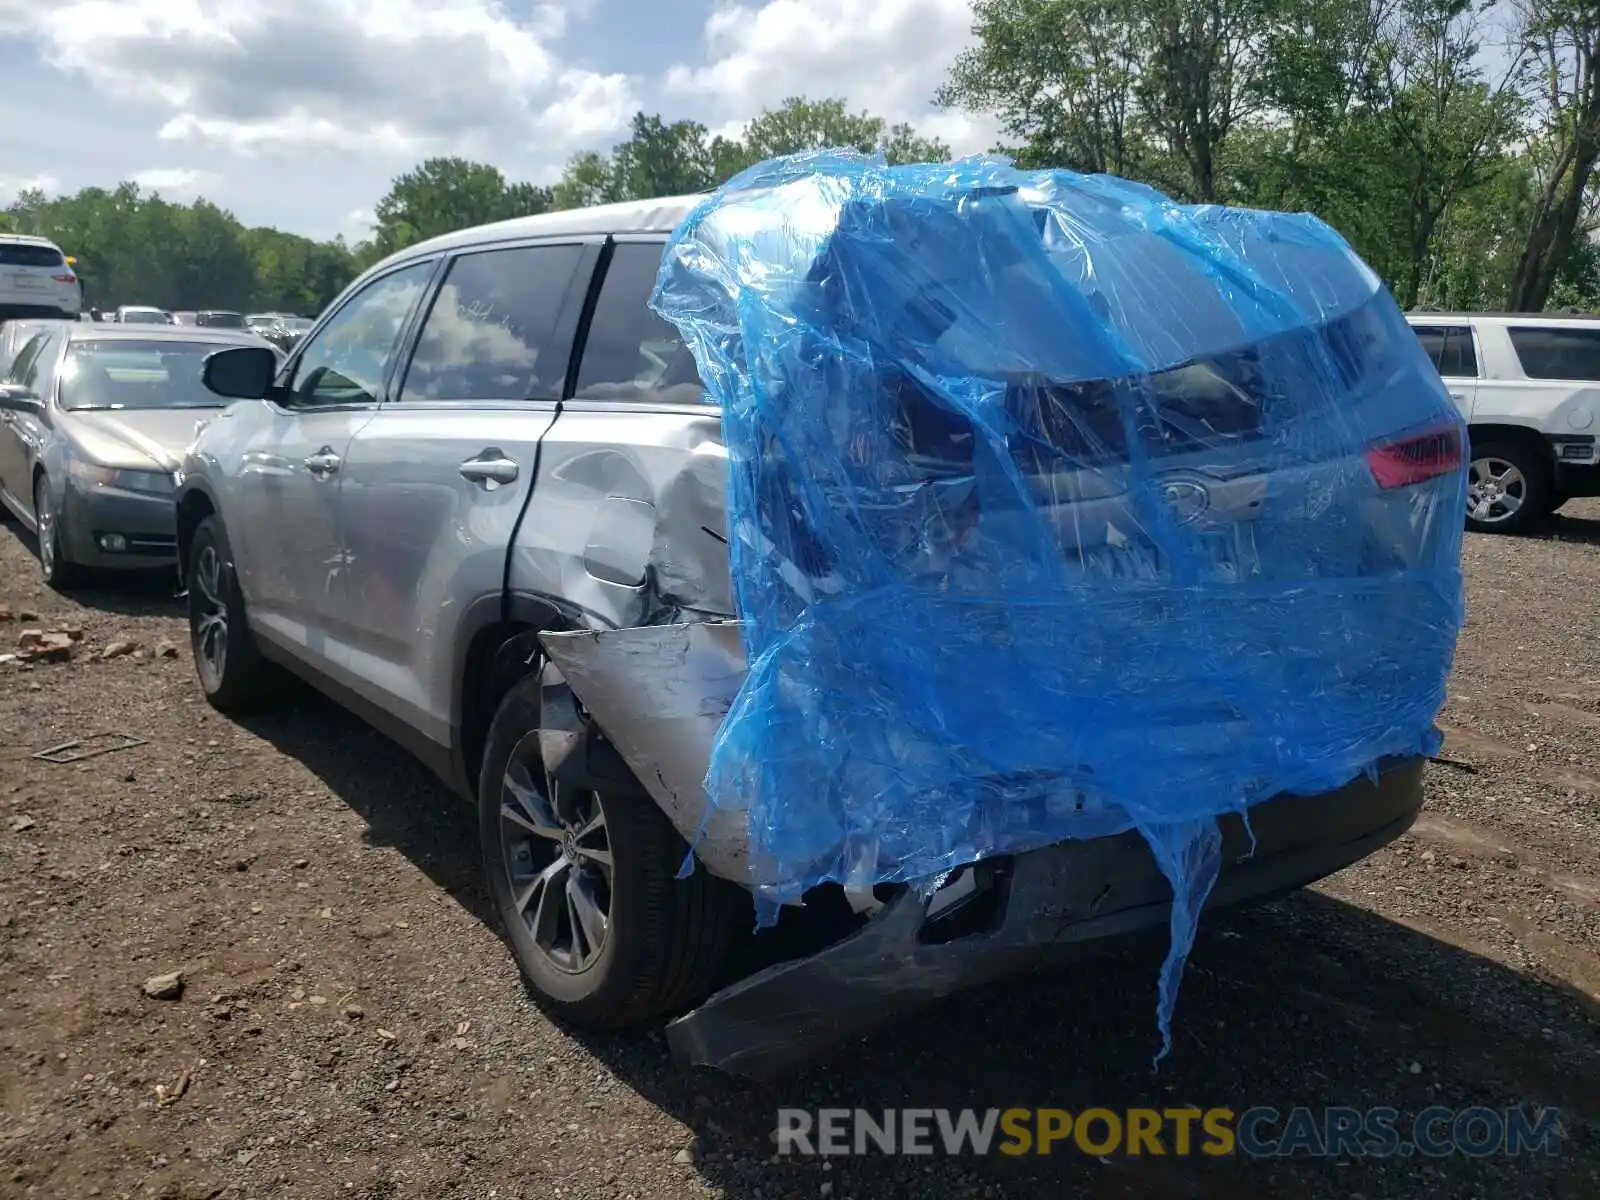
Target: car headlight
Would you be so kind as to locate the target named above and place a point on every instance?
(94, 475)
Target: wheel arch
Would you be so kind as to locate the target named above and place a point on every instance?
(194, 506)
(1486, 433)
(502, 643)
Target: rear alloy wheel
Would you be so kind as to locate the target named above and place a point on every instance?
(1508, 489)
(586, 886)
(557, 856)
(59, 572)
(233, 675)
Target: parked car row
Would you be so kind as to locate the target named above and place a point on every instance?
(93, 423)
(281, 329)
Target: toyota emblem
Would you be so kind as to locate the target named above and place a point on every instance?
(1185, 499)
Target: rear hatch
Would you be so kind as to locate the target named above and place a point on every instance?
(1050, 516)
(34, 273)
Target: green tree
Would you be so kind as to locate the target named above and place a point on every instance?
(660, 159)
(1563, 37)
(1060, 75)
(441, 195)
(586, 181)
(903, 144)
(1445, 125)
(1378, 115)
(1146, 87)
(669, 159)
(133, 248)
(798, 125)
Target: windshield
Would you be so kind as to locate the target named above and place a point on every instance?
(144, 316)
(297, 324)
(221, 320)
(127, 374)
(260, 320)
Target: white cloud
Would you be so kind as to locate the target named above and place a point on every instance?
(300, 115)
(358, 225)
(12, 186)
(175, 183)
(730, 130)
(590, 107)
(888, 57)
(965, 133)
(399, 76)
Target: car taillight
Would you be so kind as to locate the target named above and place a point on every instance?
(1415, 459)
(67, 278)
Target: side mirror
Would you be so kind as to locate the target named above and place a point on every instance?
(241, 372)
(16, 398)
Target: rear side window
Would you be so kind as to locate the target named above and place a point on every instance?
(490, 334)
(22, 367)
(14, 254)
(1557, 353)
(630, 353)
(40, 372)
(1451, 349)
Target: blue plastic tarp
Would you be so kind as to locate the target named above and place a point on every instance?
(1057, 509)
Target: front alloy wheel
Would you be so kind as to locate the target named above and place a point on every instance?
(209, 619)
(557, 856)
(233, 675)
(58, 572)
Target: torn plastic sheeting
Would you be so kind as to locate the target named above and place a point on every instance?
(1056, 509)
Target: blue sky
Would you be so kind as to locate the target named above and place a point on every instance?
(298, 114)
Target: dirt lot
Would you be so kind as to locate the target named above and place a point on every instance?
(352, 1027)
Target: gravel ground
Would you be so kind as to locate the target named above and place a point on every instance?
(351, 1026)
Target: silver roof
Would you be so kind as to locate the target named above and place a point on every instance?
(659, 215)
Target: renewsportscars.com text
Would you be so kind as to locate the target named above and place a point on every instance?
(1258, 1132)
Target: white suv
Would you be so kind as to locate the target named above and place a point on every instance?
(1529, 386)
(36, 279)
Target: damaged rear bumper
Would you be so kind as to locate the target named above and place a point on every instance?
(1052, 905)
(660, 694)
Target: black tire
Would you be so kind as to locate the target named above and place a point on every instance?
(60, 573)
(665, 939)
(235, 677)
(1534, 487)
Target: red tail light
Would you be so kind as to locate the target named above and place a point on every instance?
(69, 278)
(1416, 459)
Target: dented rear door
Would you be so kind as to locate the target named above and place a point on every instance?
(626, 525)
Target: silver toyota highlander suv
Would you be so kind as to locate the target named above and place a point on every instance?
(482, 505)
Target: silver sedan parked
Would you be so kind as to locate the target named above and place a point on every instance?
(93, 422)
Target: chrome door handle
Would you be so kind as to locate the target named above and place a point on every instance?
(491, 468)
(323, 462)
